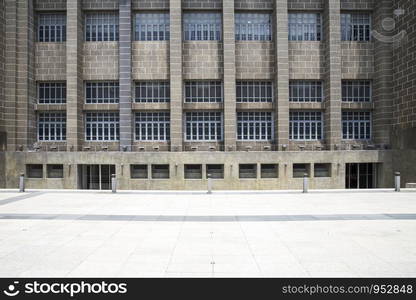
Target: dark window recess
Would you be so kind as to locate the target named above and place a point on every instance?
(248, 171)
(55, 171)
(269, 171)
(160, 171)
(216, 171)
(300, 169)
(193, 171)
(138, 171)
(34, 171)
(322, 170)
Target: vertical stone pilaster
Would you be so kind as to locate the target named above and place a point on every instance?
(125, 75)
(332, 40)
(175, 57)
(230, 118)
(10, 74)
(282, 74)
(2, 74)
(74, 82)
(383, 76)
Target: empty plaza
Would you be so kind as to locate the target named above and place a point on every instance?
(336, 233)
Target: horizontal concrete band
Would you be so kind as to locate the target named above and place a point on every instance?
(173, 218)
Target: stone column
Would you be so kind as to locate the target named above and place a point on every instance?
(175, 57)
(383, 76)
(332, 40)
(281, 86)
(125, 76)
(10, 75)
(74, 82)
(230, 117)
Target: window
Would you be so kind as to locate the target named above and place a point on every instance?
(305, 27)
(101, 27)
(305, 125)
(52, 126)
(356, 125)
(254, 91)
(152, 27)
(355, 27)
(102, 92)
(203, 91)
(34, 171)
(203, 126)
(247, 171)
(202, 26)
(254, 126)
(152, 91)
(138, 171)
(55, 171)
(193, 171)
(52, 28)
(356, 91)
(269, 171)
(51, 93)
(152, 126)
(253, 27)
(300, 169)
(102, 126)
(216, 171)
(160, 171)
(305, 91)
(322, 170)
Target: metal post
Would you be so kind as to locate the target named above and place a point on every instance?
(209, 184)
(397, 181)
(305, 182)
(113, 183)
(22, 183)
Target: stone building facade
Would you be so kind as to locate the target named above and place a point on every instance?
(341, 106)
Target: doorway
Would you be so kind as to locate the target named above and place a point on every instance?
(361, 175)
(96, 177)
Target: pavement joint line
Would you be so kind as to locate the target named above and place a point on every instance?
(227, 218)
(20, 197)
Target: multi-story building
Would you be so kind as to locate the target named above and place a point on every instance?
(162, 93)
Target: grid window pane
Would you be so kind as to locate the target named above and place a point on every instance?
(356, 91)
(356, 125)
(203, 126)
(52, 93)
(152, 91)
(152, 27)
(52, 126)
(254, 91)
(356, 27)
(253, 27)
(100, 27)
(305, 91)
(203, 91)
(255, 126)
(52, 28)
(101, 92)
(152, 126)
(305, 27)
(102, 126)
(202, 26)
(305, 125)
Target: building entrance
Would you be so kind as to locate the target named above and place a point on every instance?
(360, 175)
(96, 177)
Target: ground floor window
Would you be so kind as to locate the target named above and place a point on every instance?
(160, 171)
(193, 171)
(34, 171)
(299, 170)
(215, 171)
(269, 171)
(55, 171)
(248, 171)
